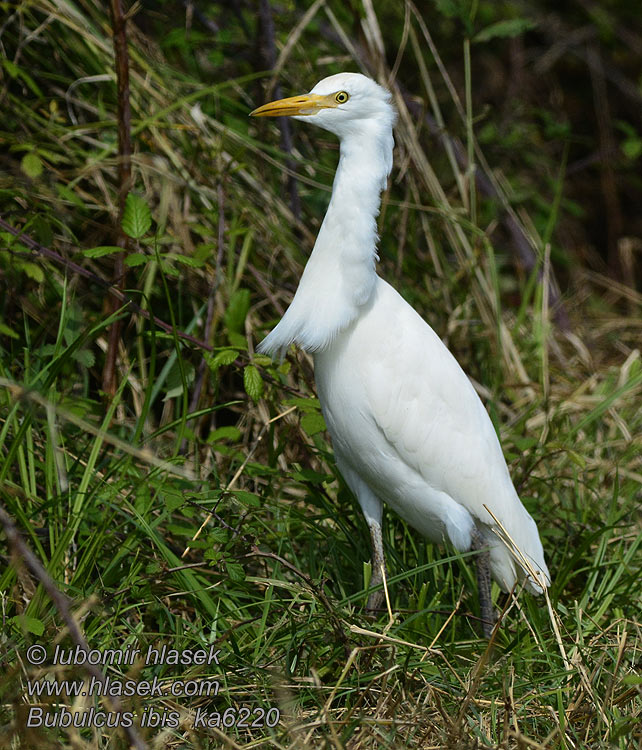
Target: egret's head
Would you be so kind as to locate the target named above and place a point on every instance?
(345, 103)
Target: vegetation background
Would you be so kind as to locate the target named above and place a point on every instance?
(172, 488)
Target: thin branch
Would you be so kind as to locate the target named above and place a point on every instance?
(119, 26)
(47, 252)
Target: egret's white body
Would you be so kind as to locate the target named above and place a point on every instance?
(407, 426)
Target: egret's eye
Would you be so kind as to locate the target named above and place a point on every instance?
(342, 97)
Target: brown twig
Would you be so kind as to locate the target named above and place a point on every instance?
(63, 604)
(47, 252)
(119, 27)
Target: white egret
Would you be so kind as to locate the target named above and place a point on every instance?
(406, 424)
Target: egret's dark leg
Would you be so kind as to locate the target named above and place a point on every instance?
(482, 564)
(372, 508)
(375, 600)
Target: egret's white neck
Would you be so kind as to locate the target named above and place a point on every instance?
(340, 275)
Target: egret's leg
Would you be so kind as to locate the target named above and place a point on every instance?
(378, 562)
(482, 564)
(372, 508)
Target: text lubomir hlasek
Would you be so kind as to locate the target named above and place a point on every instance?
(127, 656)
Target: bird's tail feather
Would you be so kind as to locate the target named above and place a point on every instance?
(516, 554)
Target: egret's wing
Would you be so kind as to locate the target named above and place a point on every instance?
(432, 418)
(429, 412)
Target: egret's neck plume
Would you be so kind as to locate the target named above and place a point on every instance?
(340, 274)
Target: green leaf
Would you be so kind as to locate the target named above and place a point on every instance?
(33, 271)
(262, 360)
(67, 194)
(29, 624)
(12, 69)
(307, 405)
(525, 443)
(6, 331)
(15, 72)
(173, 500)
(136, 259)
(173, 393)
(42, 228)
(98, 252)
(632, 148)
(248, 498)
(31, 165)
(218, 535)
(313, 423)
(311, 476)
(237, 340)
(225, 357)
(178, 376)
(230, 432)
(237, 309)
(577, 458)
(137, 218)
(168, 269)
(253, 383)
(199, 544)
(204, 251)
(509, 28)
(186, 260)
(178, 530)
(235, 572)
(451, 8)
(85, 357)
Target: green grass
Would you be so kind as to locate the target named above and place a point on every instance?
(110, 494)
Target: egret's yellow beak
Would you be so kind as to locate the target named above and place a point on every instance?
(306, 104)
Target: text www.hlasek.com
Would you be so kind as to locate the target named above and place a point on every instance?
(125, 688)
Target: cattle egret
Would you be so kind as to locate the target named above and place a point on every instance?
(406, 424)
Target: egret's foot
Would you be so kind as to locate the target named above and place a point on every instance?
(482, 564)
